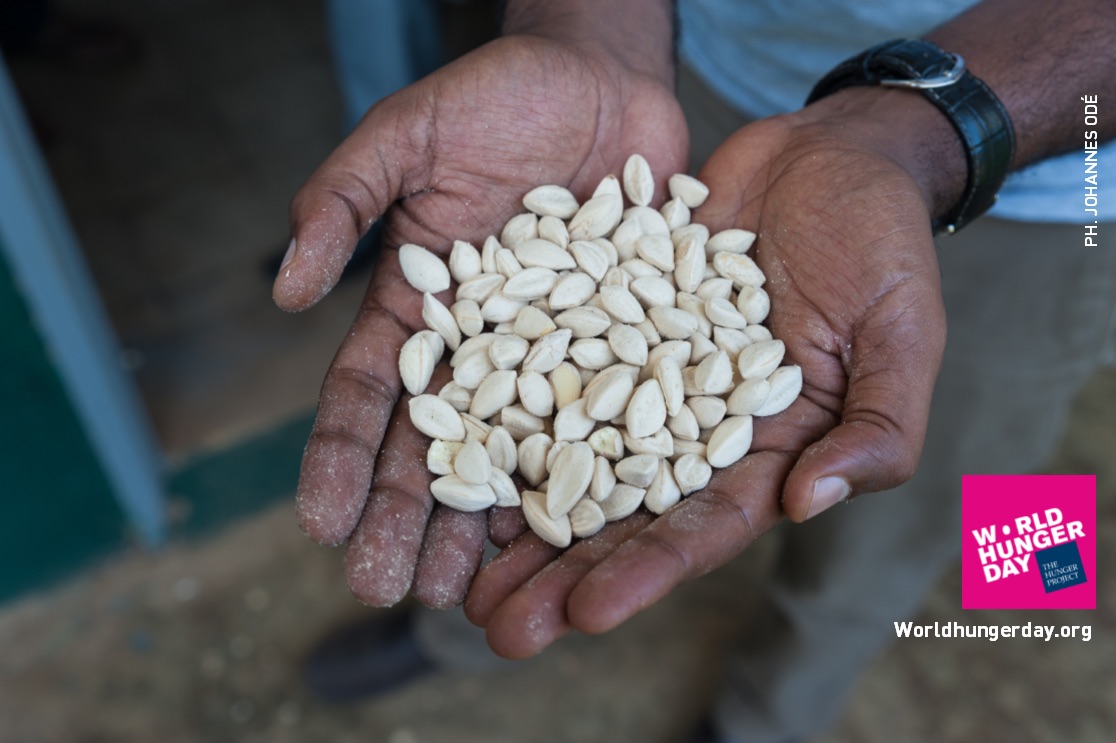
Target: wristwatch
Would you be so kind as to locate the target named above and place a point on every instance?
(973, 109)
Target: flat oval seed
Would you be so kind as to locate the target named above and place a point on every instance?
(504, 488)
(709, 411)
(440, 456)
(607, 442)
(692, 472)
(519, 229)
(572, 423)
(573, 290)
(639, 184)
(584, 322)
(753, 303)
(713, 375)
(417, 359)
(740, 268)
(721, 312)
(532, 323)
(730, 441)
(439, 319)
(622, 502)
(689, 190)
(638, 470)
(566, 384)
(436, 418)
(530, 284)
(472, 464)
(731, 241)
(553, 531)
(653, 291)
(531, 457)
(628, 344)
(646, 412)
(536, 394)
(467, 314)
(760, 359)
(454, 492)
(554, 230)
(569, 478)
(544, 254)
(676, 214)
(497, 391)
(604, 480)
(457, 396)
(610, 398)
(507, 351)
(422, 269)
(621, 304)
(586, 518)
(592, 353)
(591, 258)
(547, 352)
(749, 396)
(673, 323)
(464, 261)
(551, 201)
(480, 287)
(658, 250)
(501, 449)
(669, 376)
(786, 384)
(663, 492)
(597, 217)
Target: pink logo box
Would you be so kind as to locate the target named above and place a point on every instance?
(1029, 542)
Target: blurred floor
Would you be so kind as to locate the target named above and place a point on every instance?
(202, 642)
(177, 173)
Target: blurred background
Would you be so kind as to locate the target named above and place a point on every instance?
(153, 584)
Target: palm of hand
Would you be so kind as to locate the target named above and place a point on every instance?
(845, 244)
(448, 158)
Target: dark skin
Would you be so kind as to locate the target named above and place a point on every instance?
(841, 195)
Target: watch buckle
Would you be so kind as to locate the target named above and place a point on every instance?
(943, 80)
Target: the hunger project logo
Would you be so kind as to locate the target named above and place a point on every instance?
(1029, 542)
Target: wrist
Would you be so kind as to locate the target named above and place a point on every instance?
(638, 35)
(904, 127)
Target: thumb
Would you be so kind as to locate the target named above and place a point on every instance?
(384, 159)
(893, 366)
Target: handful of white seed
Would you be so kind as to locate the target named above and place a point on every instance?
(612, 357)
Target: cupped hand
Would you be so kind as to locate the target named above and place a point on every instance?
(446, 159)
(844, 237)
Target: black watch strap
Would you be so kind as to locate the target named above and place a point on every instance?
(975, 112)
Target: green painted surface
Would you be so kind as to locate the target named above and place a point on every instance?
(57, 510)
(221, 486)
(58, 514)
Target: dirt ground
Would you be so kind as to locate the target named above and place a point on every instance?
(203, 641)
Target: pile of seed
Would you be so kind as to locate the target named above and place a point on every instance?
(611, 357)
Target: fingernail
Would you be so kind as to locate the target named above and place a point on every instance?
(289, 255)
(828, 491)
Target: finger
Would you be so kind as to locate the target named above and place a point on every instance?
(354, 407)
(382, 553)
(704, 531)
(895, 357)
(533, 616)
(509, 570)
(452, 550)
(385, 159)
(356, 402)
(505, 524)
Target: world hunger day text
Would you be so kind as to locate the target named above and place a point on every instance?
(1012, 555)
